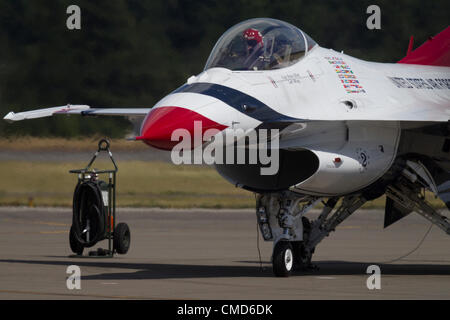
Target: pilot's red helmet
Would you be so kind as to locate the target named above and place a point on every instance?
(253, 37)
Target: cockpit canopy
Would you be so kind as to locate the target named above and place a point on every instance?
(260, 44)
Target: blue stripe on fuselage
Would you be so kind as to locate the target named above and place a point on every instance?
(238, 100)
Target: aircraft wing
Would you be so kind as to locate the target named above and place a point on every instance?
(83, 110)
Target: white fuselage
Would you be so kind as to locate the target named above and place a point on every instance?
(349, 111)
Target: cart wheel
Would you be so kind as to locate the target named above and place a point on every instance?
(75, 245)
(121, 238)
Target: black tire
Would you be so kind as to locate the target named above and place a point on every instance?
(303, 257)
(75, 245)
(283, 259)
(88, 205)
(121, 238)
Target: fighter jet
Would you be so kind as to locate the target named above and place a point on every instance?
(345, 131)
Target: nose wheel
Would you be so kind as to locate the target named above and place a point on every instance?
(290, 256)
(283, 259)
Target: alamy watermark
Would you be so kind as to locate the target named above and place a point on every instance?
(73, 22)
(374, 20)
(374, 280)
(74, 280)
(229, 146)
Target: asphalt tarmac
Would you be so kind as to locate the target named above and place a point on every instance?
(213, 254)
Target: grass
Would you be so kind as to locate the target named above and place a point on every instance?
(140, 184)
(153, 184)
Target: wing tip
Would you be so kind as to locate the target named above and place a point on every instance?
(10, 117)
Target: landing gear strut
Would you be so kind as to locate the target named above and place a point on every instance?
(405, 195)
(281, 215)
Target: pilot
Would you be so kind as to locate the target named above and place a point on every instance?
(255, 47)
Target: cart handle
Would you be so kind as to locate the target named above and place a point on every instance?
(103, 145)
(103, 148)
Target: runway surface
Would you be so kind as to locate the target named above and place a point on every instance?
(207, 254)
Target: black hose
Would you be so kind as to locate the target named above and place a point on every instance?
(88, 205)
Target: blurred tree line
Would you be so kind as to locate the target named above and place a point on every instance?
(130, 53)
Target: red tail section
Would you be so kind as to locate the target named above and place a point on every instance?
(434, 52)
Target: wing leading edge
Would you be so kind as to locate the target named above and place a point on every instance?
(83, 110)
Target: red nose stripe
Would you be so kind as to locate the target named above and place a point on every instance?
(161, 122)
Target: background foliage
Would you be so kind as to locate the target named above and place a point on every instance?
(130, 53)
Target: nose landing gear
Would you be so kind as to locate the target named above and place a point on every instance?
(281, 219)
